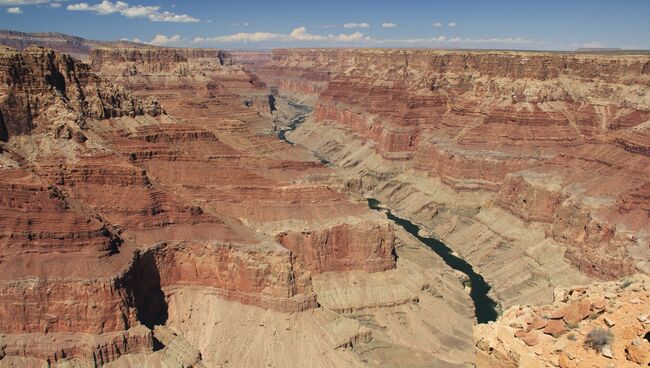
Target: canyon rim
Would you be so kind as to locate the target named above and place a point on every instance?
(316, 198)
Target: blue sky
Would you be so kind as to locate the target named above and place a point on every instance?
(508, 24)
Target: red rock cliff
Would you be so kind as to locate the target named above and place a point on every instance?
(561, 139)
(40, 86)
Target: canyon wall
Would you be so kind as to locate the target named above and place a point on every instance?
(555, 139)
(42, 87)
(112, 205)
(132, 235)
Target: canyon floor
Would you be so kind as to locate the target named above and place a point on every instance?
(197, 207)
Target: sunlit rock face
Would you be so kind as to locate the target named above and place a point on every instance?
(558, 333)
(150, 216)
(559, 139)
(111, 205)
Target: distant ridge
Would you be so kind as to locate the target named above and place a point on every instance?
(76, 46)
(599, 49)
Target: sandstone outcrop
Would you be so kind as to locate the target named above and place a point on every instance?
(560, 330)
(169, 72)
(192, 236)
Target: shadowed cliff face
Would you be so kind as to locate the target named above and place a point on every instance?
(559, 139)
(4, 134)
(148, 297)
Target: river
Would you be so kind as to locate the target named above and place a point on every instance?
(303, 113)
(485, 308)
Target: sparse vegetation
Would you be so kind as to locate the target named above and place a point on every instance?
(625, 284)
(598, 338)
(572, 337)
(572, 325)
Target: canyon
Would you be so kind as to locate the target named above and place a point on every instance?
(202, 207)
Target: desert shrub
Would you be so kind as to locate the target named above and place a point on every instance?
(598, 338)
(572, 336)
(573, 325)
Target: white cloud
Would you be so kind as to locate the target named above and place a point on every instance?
(139, 11)
(15, 3)
(14, 10)
(502, 41)
(388, 25)
(451, 24)
(299, 34)
(171, 17)
(442, 41)
(353, 37)
(103, 8)
(401, 41)
(437, 24)
(356, 25)
(242, 37)
(162, 40)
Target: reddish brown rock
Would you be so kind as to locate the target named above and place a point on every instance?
(97, 349)
(599, 305)
(555, 328)
(637, 354)
(41, 86)
(108, 206)
(627, 347)
(537, 324)
(367, 247)
(531, 338)
(575, 313)
(564, 362)
(469, 120)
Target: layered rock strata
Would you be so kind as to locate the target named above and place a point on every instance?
(75, 46)
(150, 207)
(43, 89)
(520, 150)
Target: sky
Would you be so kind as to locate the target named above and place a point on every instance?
(263, 24)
